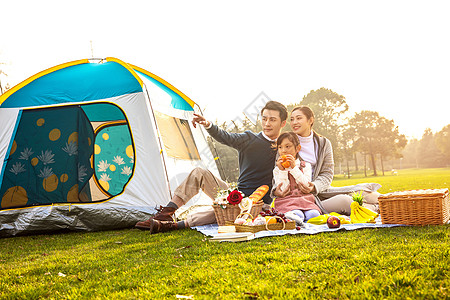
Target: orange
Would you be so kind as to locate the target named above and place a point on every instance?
(285, 163)
(270, 220)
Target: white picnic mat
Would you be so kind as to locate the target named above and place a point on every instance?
(211, 229)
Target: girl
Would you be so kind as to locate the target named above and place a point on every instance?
(291, 172)
(316, 150)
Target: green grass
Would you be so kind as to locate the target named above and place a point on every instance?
(406, 179)
(394, 263)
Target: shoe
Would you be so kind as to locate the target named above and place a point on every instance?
(156, 226)
(164, 214)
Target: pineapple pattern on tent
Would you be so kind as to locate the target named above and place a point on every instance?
(49, 160)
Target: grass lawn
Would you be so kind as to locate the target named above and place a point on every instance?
(395, 263)
(407, 179)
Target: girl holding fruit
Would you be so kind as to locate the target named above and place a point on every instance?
(317, 151)
(292, 172)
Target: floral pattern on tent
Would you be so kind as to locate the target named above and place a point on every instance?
(114, 157)
(49, 160)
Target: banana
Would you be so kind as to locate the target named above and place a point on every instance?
(357, 218)
(319, 220)
(343, 219)
(358, 215)
(353, 217)
(368, 211)
(365, 215)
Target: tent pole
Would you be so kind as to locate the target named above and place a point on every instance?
(160, 144)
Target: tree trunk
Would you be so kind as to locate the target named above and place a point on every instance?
(374, 166)
(382, 164)
(365, 165)
(356, 163)
(348, 169)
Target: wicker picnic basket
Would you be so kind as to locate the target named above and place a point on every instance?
(228, 212)
(415, 207)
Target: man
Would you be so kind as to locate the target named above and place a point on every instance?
(256, 163)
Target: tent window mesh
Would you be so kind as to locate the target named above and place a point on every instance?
(177, 137)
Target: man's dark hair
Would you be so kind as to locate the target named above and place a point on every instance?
(274, 105)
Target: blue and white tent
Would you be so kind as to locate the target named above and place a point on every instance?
(93, 145)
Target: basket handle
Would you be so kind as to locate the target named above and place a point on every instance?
(244, 213)
(274, 217)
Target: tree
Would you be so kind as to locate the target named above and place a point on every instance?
(347, 143)
(391, 142)
(247, 124)
(429, 154)
(364, 126)
(376, 135)
(431, 151)
(410, 154)
(328, 108)
(227, 156)
(442, 140)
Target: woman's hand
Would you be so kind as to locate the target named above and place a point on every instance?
(279, 193)
(307, 189)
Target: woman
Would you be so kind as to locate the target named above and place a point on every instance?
(316, 150)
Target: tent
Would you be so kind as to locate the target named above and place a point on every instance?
(93, 145)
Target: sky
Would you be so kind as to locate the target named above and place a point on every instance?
(392, 57)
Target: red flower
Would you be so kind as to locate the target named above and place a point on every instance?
(235, 197)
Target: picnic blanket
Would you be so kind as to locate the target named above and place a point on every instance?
(211, 229)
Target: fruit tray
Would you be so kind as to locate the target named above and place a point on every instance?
(256, 228)
(415, 207)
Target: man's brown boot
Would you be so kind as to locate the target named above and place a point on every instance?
(157, 226)
(164, 214)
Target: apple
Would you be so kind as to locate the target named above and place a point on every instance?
(333, 222)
